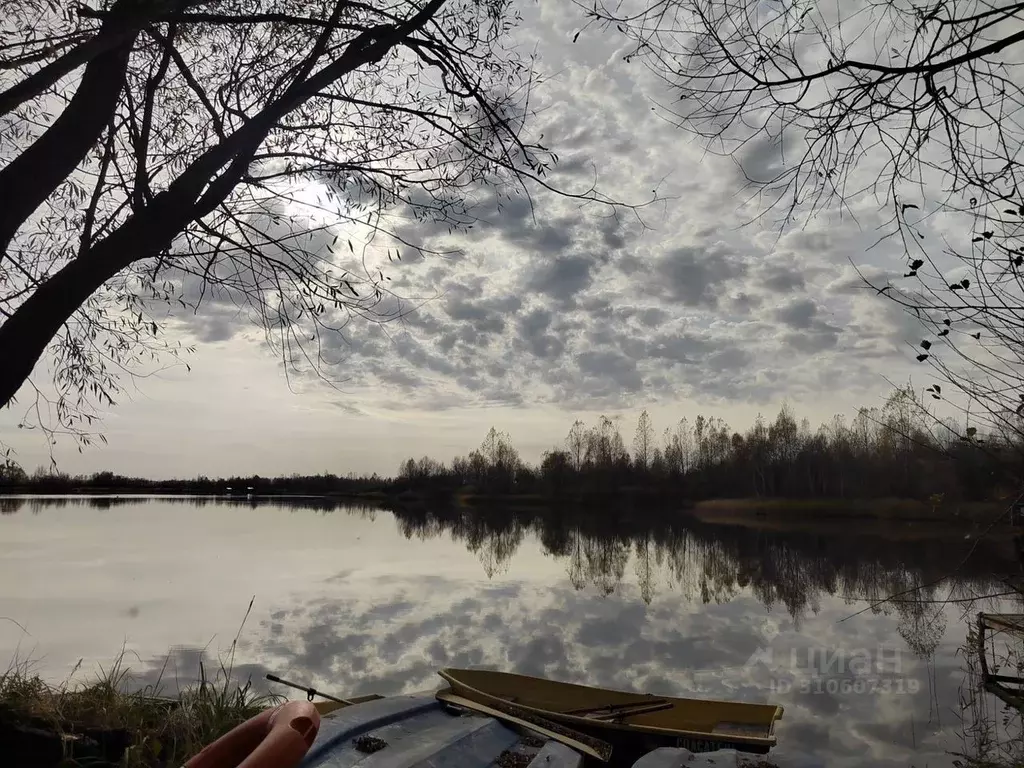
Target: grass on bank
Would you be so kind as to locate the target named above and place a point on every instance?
(936, 508)
(157, 730)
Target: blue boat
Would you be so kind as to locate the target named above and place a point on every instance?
(421, 731)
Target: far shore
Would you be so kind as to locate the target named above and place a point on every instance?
(891, 508)
(791, 511)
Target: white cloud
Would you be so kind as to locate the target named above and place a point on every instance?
(562, 307)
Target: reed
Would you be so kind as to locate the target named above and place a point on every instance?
(111, 719)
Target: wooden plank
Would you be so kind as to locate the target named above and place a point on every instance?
(1006, 622)
(981, 647)
(614, 707)
(1014, 699)
(1006, 679)
(623, 713)
(581, 742)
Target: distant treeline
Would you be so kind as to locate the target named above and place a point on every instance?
(895, 451)
(15, 480)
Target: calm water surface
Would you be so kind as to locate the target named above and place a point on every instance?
(363, 600)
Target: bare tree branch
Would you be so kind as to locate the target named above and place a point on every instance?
(918, 106)
(174, 191)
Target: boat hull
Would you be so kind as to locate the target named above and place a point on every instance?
(694, 724)
(418, 731)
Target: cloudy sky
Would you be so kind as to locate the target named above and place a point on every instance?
(546, 316)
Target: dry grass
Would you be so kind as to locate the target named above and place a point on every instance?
(159, 731)
(884, 509)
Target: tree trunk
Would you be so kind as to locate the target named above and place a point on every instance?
(39, 81)
(37, 171)
(26, 333)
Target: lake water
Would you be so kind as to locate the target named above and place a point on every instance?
(365, 600)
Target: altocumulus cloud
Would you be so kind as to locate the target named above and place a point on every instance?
(549, 301)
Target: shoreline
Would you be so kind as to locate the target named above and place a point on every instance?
(963, 513)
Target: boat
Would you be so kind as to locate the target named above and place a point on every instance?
(420, 730)
(632, 723)
(431, 728)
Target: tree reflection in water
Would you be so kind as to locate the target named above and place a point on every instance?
(713, 563)
(700, 561)
(673, 565)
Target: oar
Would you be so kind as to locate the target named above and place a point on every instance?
(618, 707)
(639, 709)
(596, 748)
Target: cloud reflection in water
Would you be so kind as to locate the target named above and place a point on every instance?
(672, 609)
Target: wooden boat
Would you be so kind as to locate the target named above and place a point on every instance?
(633, 723)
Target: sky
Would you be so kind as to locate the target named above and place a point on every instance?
(545, 316)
